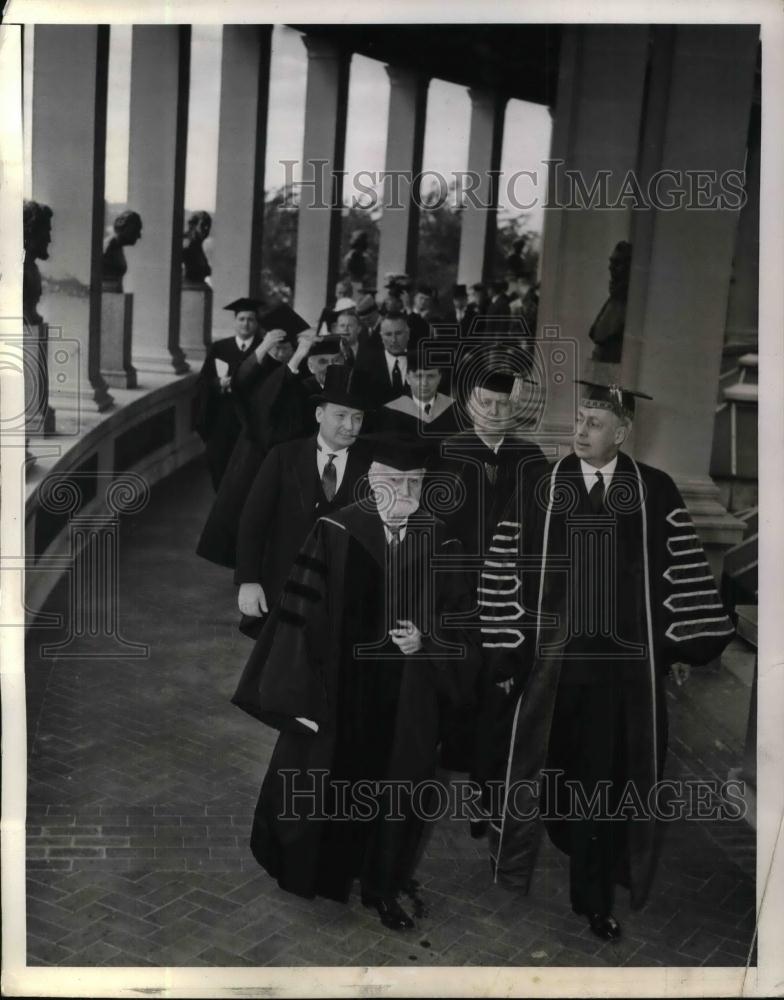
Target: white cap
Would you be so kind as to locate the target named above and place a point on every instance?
(342, 305)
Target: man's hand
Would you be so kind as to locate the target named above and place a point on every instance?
(251, 600)
(506, 686)
(271, 338)
(681, 672)
(225, 383)
(407, 638)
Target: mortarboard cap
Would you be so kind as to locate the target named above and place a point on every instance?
(417, 360)
(283, 317)
(325, 345)
(403, 452)
(499, 380)
(609, 397)
(244, 305)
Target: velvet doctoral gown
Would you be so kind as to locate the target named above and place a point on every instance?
(325, 656)
(550, 567)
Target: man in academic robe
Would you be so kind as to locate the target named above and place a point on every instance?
(260, 431)
(385, 363)
(216, 420)
(288, 392)
(298, 482)
(616, 591)
(486, 464)
(354, 668)
(426, 413)
(489, 458)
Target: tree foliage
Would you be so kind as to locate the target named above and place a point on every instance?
(438, 247)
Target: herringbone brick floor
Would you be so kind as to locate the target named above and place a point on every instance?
(143, 778)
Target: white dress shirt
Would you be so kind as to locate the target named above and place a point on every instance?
(420, 404)
(493, 447)
(243, 344)
(402, 365)
(322, 456)
(589, 473)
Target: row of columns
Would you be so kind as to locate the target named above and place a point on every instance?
(638, 99)
(68, 163)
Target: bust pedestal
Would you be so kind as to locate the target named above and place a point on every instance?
(116, 337)
(196, 320)
(40, 415)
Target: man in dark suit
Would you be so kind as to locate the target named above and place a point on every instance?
(385, 364)
(461, 314)
(422, 314)
(298, 482)
(349, 329)
(499, 303)
(216, 419)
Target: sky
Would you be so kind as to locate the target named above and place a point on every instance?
(526, 133)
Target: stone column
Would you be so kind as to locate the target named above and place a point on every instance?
(595, 142)
(681, 281)
(68, 154)
(743, 305)
(399, 229)
(478, 221)
(318, 229)
(160, 75)
(242, 143)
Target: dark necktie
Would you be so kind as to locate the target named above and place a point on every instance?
(329, 479)
(596, 495)
(348, 354)
(394, 539)
(428, 408)
(491, 471)
(397, 379)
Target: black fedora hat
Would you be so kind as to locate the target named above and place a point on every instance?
(344, 386)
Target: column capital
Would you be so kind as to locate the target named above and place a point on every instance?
(404, 75)
(484, 98)
(319, 47)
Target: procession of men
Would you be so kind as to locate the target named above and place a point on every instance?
(399, 539)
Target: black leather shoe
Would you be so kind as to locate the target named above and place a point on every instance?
(603, 925)
(391, 913)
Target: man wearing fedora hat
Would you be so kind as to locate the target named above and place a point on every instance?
(297, 483)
